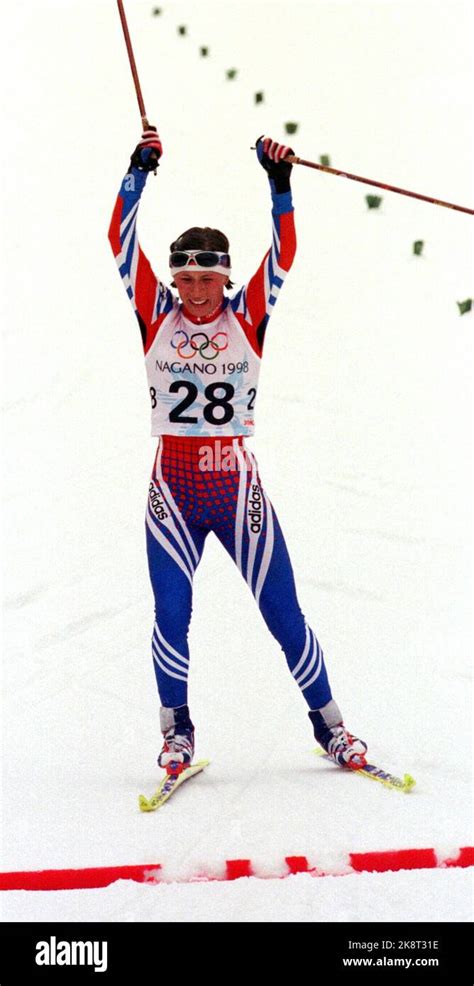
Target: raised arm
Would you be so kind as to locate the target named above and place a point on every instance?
(151, 300)
(254, 303)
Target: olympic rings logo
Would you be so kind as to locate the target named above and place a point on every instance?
(208, 348)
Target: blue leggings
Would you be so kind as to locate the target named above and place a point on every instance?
(200, 485)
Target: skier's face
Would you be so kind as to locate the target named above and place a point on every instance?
(200, 291)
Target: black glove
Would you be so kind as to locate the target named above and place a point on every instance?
(148, 152)
(271, 156)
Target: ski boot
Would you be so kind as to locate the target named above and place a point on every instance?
(330, 731)
(178, 732)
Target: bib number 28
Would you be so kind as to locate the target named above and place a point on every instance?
(217, 411)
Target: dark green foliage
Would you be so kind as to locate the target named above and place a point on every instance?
(204, 52)
(231, 73)
(373, 201)
(325, 160)
(464, 306)
(291, 128)
(156, 11)
(182, 29)
(258, 97)
(418, 247)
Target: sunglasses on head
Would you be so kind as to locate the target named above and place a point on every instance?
(204, 258)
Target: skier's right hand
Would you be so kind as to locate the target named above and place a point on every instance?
(272, 157)
(148, 152)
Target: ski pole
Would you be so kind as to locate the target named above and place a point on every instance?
(293, 159)
(141, 104)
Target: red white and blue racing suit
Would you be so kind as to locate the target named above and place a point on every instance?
(203, 382)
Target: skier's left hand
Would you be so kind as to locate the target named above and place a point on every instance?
(272, 157)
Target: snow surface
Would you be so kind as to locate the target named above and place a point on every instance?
(364, 438)
(406, 896)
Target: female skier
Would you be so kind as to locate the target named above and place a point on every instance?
(202, 355)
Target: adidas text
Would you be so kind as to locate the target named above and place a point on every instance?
(255, 512)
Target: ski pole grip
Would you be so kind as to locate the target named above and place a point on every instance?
(290, 158)
(146, 126)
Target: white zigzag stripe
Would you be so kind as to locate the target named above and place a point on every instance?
(274, 290)
(266, 273)
(174, 510)
(134, 265)
(129, 217)
(171, 526)
(162, 640)
(275, 235)
(317, 655)
(304, 655)
(154, 310)
(168, 660)
(122, 256)
(157, 304)
(278, 271)
(275, 255)
(268, 549)
(316, 673)
(241, 305)
(171, 674)
(159, 536)
(309, 667)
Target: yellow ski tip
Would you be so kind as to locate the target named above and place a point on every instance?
(144, 804)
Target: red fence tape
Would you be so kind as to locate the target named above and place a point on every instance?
(398, 859)
(96, 876)
(360, 862)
